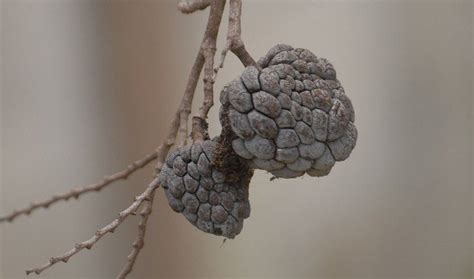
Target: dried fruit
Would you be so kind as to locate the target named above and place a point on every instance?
(292, 117)
(210, 197)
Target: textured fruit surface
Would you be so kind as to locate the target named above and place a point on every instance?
(210, 199)
(292, 117)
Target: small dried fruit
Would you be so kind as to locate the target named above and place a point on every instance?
(208, 197)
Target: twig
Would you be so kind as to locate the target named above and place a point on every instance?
(110, 228)
(190, 6)
(186, 103)
(78, 191)
(234, 41)
(209, 50)
(205, 58)
(161, 152)
(140, 240)
(147, 195)
(178, 128)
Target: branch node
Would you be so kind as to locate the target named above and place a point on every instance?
(121, 216)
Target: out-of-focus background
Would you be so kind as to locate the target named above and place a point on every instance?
(89, 86)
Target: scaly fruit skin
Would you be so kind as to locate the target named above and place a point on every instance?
(292, 117)
(211, 200)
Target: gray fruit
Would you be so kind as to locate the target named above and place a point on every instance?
(266, 104)
(263, 125)
(206, 197)
(291, 117)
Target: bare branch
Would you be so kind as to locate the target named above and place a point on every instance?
(205, 58)
(140, 240)
(186, 103)
(206, 51)
(190, 6)
(161, 152)
(110, 228)
(147, 195)
(78, 191)
(209, 50)
(178, 129)
(234, 41)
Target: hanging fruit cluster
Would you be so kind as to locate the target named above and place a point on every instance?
(290, 118)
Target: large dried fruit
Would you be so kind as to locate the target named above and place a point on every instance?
(212, 198)
(292, 117)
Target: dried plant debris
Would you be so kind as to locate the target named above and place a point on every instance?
(292, 117)
(207, 196)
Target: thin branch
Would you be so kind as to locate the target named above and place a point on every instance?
(78, 191)
(186, 103)
(161, 152)
(140, 240)
(191, 6)
(205, 58)
(234, 42)
(206, 52)
(110, 228)
(147, 195)
(178, 128)
(209, 50)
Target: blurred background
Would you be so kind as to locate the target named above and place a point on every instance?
(89, 86)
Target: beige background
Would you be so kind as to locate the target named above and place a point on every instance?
(88, 86)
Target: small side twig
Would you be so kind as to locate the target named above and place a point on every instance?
(140, 240)
(204, 59)
(186, 103)
(234, 42)
(191, 6)
(110, 228)
(78, 191)
(209, 50)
